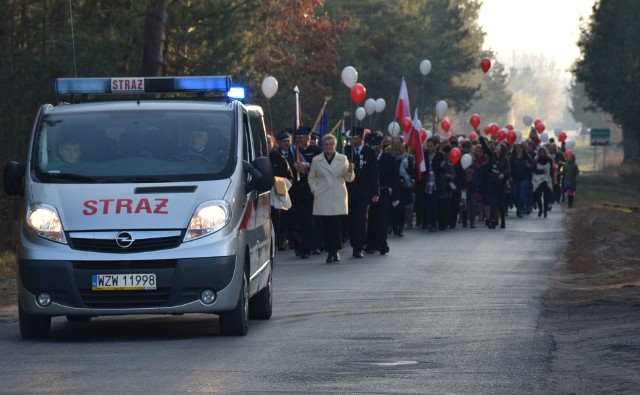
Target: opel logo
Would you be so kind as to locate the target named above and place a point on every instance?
(124, 239)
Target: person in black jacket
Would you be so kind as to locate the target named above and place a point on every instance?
(378, 222)
(431, 183)
(497, 178)
(521, 165)
(363, 190)
(281, 168)
(301, 196)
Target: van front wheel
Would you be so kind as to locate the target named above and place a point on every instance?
(33, 326)
(236, 321)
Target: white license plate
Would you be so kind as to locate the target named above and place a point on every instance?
(123, 282)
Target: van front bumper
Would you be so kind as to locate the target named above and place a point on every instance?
(179, 284)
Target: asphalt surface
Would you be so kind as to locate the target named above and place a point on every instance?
(447, 312)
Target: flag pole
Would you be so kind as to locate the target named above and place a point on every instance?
(296, 92)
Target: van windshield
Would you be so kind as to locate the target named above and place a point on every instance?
(134, 146)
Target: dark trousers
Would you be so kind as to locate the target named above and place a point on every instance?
(520, 194)
(454, 208)
(279, 226)
(378, 222)
(444, 213)
(496, 194)
(543, 191)
(302, 217)
(332, 232)
(430, 210)
(358, 222)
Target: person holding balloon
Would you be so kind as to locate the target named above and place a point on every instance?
(402, 214)
(431, 184)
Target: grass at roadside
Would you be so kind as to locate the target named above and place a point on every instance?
(7, 265)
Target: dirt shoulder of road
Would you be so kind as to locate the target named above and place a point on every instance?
(591, 312)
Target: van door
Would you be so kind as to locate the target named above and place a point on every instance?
(259, 223)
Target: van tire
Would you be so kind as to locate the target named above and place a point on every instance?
(261, 305)
(236, 321)
(33, 326)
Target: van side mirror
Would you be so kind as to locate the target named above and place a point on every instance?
(261, 175)
(13, 178)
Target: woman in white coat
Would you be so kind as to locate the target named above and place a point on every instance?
(328, 175)
(542, 181)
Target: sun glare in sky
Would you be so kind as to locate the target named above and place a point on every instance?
(534, 26)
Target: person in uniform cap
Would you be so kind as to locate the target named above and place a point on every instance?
(281, 168)
(363, 190)
(314, 139)
(388, 177)
(301, 196)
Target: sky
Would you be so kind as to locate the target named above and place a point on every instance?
(539, 26)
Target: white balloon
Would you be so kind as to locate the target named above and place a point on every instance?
(527, 120)
(544, 137)
(465, 161)
(349, 76)
(361, 113)
(417, 125)
(425, 67)
(518, 136)
(441, 109)
(429, 134)
(380, 104)
(394, 129)
(569, 143)
(370, 106)
(557, 131)
(269, 87)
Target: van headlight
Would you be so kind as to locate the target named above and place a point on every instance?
(43, 220)
(208, 218)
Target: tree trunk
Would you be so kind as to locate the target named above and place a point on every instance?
(631, 144)
(154, 25)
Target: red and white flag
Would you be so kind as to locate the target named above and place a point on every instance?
(403, 108)
(415, 142)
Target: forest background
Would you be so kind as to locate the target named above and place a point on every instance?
(304, 43)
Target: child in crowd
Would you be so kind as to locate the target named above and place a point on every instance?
(570, 173)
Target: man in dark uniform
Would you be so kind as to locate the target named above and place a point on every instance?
(388, 176)
(301, 196)
(281, 168)
(363, 190)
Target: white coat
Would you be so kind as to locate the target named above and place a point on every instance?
(327, 182)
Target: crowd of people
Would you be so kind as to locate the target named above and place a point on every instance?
(374, 188)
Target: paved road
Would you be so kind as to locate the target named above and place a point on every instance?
(445, 312)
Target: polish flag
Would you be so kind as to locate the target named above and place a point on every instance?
(402, 108)
(416, 146)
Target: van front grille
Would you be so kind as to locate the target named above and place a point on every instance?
(110, 245)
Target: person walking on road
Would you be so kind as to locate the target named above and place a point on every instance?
(328, 175)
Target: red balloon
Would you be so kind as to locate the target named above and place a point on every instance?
(475, 121)
(567, 154)
(562, 137)
(405, 124)
(536, 122)
(454, 155)
(485, 64)
(423, 134)
(358, 92)
(509, 127)
(487, 130)
(445, 124)
(501, 134)
(367, 131)
(494, 129)
(473, 136)
(511, 137)
(540, 127)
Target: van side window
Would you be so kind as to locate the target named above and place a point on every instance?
(247, 151)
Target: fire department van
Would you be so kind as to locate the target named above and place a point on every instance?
(136, 203)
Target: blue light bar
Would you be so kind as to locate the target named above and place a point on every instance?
(128, 85)
(236, 92)
(82, 85)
